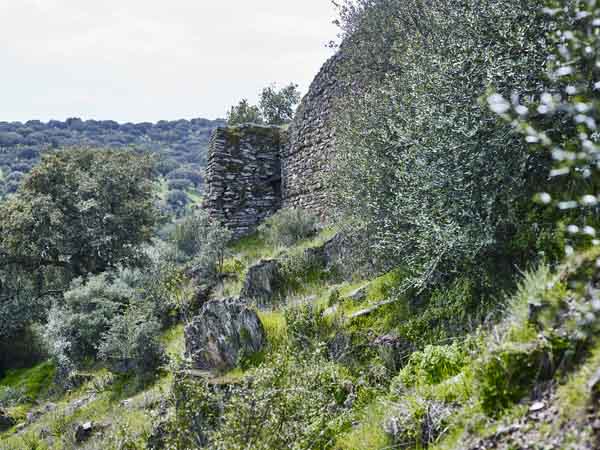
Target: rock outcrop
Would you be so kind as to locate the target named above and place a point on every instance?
(6, 421)
(263, 281)
(224, 331)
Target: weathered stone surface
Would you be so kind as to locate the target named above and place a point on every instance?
(6, 421)
(83, 431)
(221, 333)
(243, 176)
(263, 281)
(253, 170)
(307, 160)
(360, 294)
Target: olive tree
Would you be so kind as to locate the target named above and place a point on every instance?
(425, 169)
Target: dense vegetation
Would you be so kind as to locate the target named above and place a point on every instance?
(181, 147)
(453, 304)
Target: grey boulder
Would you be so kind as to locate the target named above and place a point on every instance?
(224, 331)
(263, 282)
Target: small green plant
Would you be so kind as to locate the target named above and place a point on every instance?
(415, 422)
(433, 365)
(508, 373)
(306, 326)
(302, 270)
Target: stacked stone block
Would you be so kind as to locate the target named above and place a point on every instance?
(307, 161)
(243, 176)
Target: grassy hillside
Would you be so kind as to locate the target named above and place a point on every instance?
(512, 381)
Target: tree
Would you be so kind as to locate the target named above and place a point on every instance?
(428, 172)
(562, 122)
(83, 211)
(242, 113)
(277, 105)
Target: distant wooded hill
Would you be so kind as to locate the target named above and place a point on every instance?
(181, 145)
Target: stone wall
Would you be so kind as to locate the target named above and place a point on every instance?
(243, 176)
(306, 162)
(254, 170)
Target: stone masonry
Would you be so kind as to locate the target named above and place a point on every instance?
(307, 160)
(255, 170)
(243, 176)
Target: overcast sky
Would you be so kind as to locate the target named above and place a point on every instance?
(146, 60)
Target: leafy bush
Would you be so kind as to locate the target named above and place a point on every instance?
(301, 270)
(243, 113)
(433, 365)
(277, 105)
(10, 396)
(561, 121)
(416, 422)
(288, 226)
(75, 326)
(80, 211)
(446, 312)
(132, 343)
(306, 326)
(291, 402)
(203, 238)
(508, 373)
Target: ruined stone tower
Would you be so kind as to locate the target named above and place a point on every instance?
(243, 175)
(255, 170)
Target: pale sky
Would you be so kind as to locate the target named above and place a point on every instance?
(147, 60)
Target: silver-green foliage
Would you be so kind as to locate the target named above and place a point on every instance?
(202, 240)
(563, 119)
(76, 324)
(292, 402)
(132, 342)
(429, 172)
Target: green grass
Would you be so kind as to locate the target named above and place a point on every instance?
(275, 327)
(33, 382)
(574, 395)
(369, 433)
(173, 340)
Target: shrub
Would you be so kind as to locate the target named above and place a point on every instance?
(277, 105)
(75, 326)
(416, 422)
(288, 226)
(306, 326)
(290, 402)
(243, 113)
(10, 396)
(204, 240)
(132, 343)
(433, 365)
(301, 270)
(446, 312)
(561, 122)
(508, 373)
